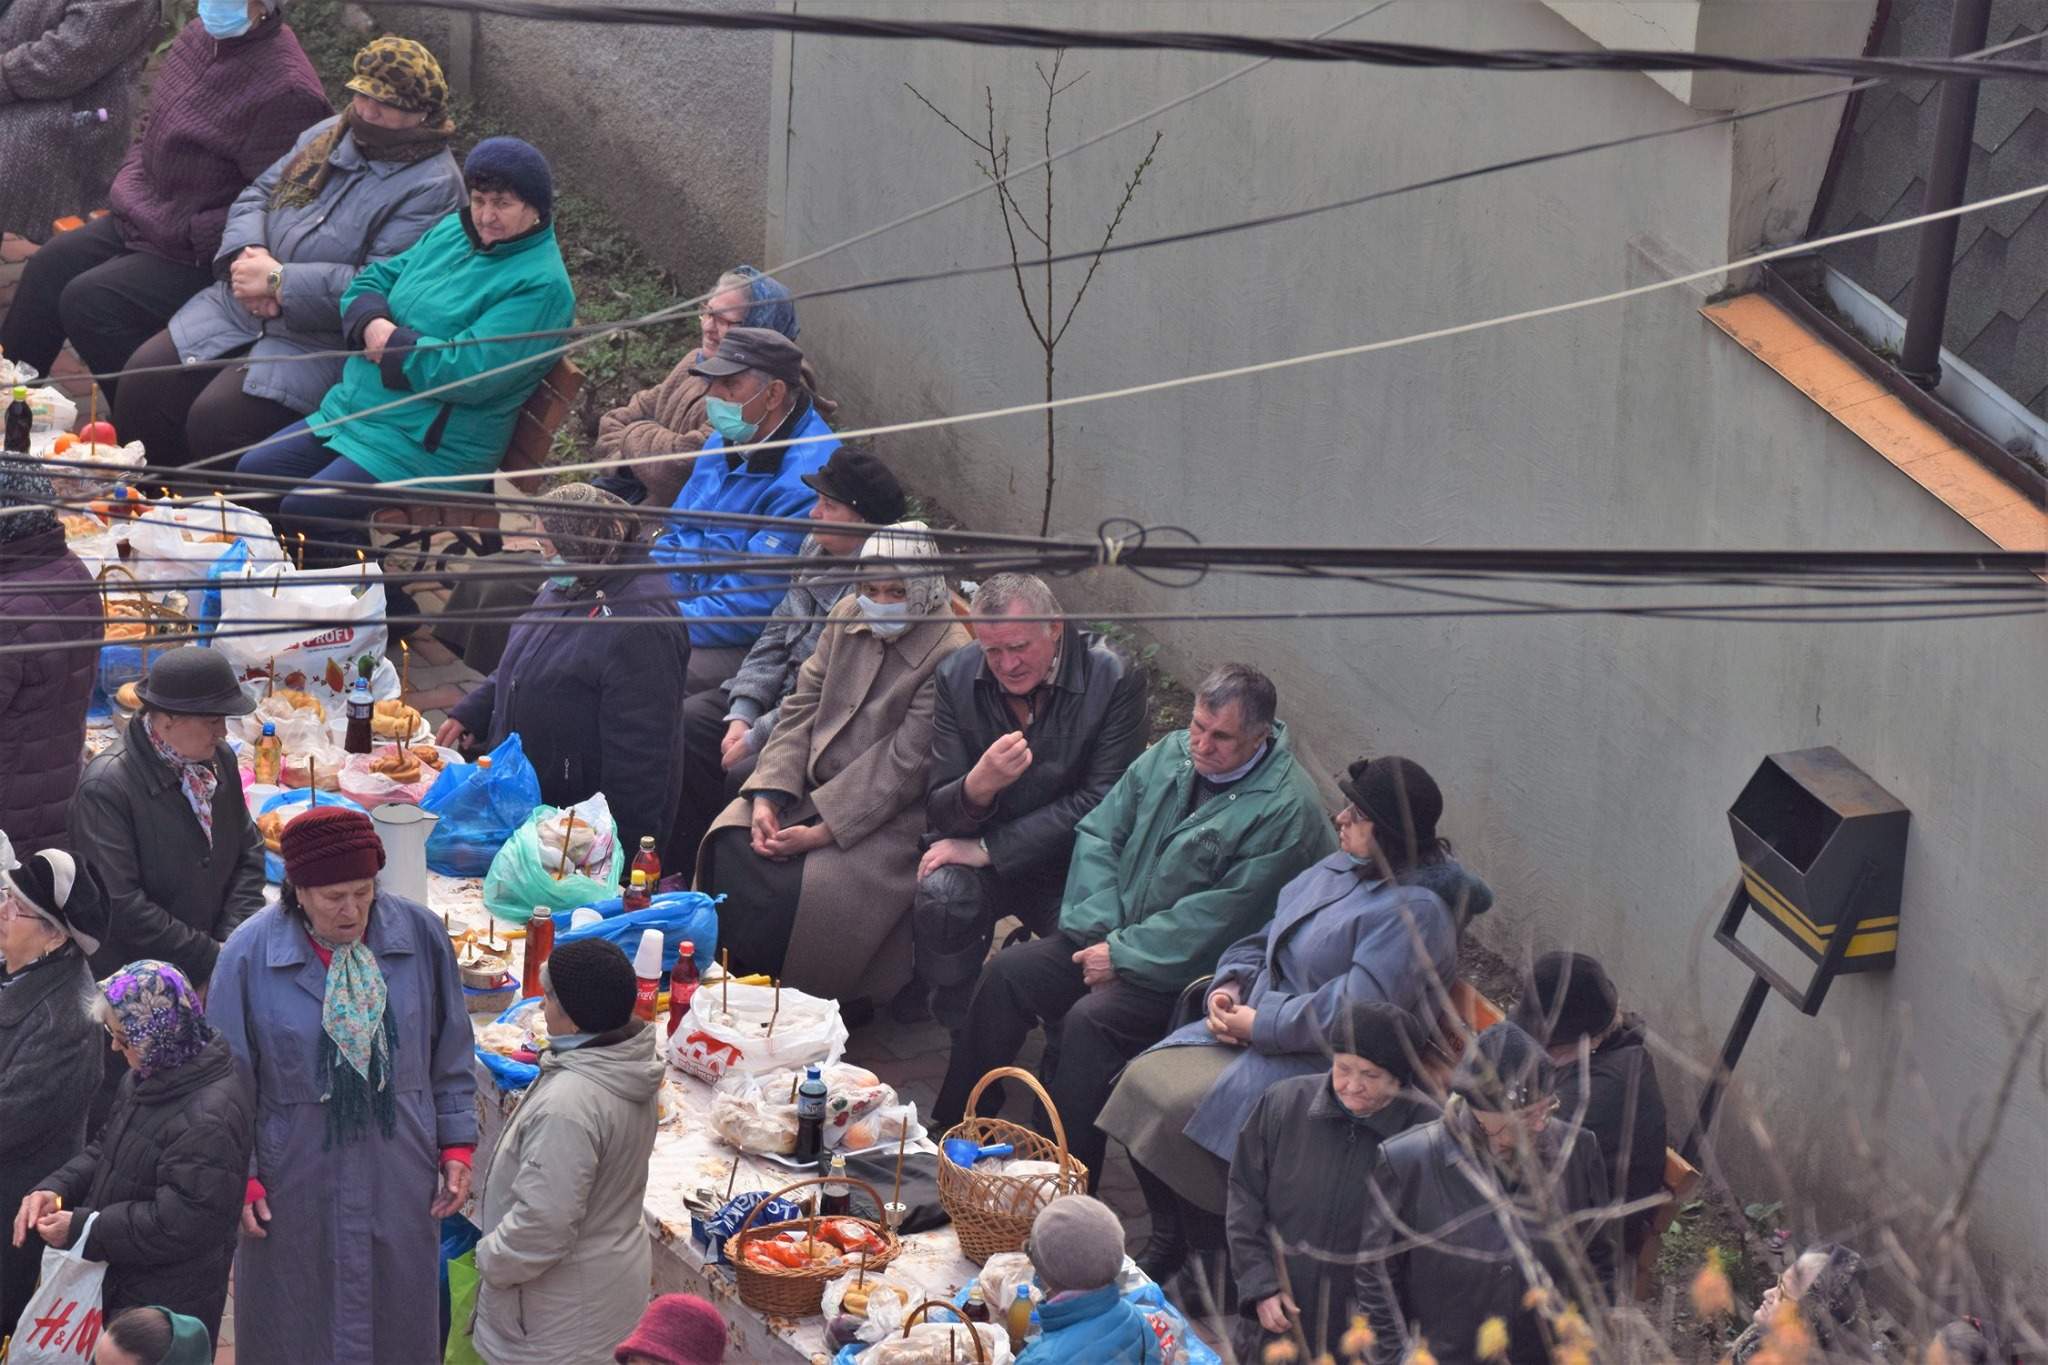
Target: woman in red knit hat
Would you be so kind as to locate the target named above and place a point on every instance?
(345, 1003)
(676, 1329)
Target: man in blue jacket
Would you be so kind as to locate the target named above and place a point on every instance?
(756, 394)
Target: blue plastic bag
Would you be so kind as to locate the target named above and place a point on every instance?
(509, 1074)
(480, 808)
(273, 866)
(681, 916)
(207, 605)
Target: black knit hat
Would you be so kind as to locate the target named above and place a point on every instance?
(62, 889)
(593, 982)
(1401, 799)
(1504, 1069)
(1383, 1034)
(1566, 997)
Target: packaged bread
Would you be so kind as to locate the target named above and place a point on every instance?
(940, 1343)
(299, 701)
(327, 767)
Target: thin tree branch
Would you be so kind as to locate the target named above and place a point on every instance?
(1130, 190)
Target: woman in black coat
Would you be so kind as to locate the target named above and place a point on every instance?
(164, 1183)
(51, 916)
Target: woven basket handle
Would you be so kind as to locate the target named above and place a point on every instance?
(1059, 1130)
(110, 567)
(811, 1221)
(980, 1346)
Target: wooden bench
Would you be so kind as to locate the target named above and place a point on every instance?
(473, 528)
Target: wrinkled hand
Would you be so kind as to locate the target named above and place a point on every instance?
(255, 1217)
(249, 275)
(1277, 1312)
(266, 308)
(1095, 968)
(454, 1191)
(36, 1205)
(375, 336)
(794, 841)
(767, 825)
(952, 852)
(1221, 1002)
(1233, 1026)
(737, 744)
(1000, 765)
(55, 1229)
(451, 735)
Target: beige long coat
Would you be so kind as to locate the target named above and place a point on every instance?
(852, 744)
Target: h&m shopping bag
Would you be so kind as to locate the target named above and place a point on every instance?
(61, 1324)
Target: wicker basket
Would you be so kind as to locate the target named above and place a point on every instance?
(799, 1291)
(980, 1346)
(991, 1212)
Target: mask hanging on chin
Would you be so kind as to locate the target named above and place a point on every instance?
(225, 18)
(729, 420)
(886, 619)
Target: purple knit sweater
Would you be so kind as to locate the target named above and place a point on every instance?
(220, 113)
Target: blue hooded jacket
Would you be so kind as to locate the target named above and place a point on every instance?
(1100, 1327)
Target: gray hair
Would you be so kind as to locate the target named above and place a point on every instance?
(731, 280)
(999, 593)
(1241, 683)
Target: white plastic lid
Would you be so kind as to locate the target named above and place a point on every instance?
(647, 961)
(583, 916)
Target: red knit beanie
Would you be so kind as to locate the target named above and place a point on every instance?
(330, 844)
(677, 1329)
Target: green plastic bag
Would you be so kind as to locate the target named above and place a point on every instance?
(462, 1286)
(523, 874)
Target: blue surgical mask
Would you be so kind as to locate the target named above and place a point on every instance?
(1365, 863)
(564, 581)
(225, 18)
(729, 420)
(886, 619)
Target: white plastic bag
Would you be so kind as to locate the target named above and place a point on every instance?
(716, 1037)
(888, 1302)
(757, 1113)
(61, 1323)
(344, 605)
(113, 464)
(180, 541)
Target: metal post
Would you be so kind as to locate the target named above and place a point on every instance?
(1926, 314)
(1731, 1053)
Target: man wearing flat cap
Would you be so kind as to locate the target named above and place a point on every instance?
(756, 395)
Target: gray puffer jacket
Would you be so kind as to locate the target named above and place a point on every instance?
(366, 211)
(768, 673)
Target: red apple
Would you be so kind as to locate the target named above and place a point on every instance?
(98, 434)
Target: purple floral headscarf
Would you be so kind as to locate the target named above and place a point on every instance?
(160, 1013)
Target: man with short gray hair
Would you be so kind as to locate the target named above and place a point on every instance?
(1034, 724)
(1186, 855)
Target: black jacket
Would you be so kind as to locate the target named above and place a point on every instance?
(1428, 1189)
(1622, 1103)
(1301, 1163)
(174, 897)
(1089, 727)
(166, 1179)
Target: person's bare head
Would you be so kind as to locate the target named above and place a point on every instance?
(1019, 653)
(1232, 716)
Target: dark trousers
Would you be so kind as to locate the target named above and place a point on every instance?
(186, 415)
(761, 897)
(707, 787)
(1097, 1031)
(336, 522)
(953, 919)
(86, 285)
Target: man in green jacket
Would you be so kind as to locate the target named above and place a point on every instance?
(1185, 856)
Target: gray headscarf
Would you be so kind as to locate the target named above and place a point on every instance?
(25, 501)
(924, 594)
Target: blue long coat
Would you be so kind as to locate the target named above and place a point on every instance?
(351, 1269)
(1334, 937)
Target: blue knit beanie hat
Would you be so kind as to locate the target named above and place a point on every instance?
(517, 166)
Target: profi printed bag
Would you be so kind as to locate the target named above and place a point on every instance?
(315, 623)
(61, 1324)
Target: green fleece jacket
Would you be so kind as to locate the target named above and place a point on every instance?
(1170, 891)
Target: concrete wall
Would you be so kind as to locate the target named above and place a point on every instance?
(1587, 761)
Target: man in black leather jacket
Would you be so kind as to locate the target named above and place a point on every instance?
(1437, 1260)
(1035, 724)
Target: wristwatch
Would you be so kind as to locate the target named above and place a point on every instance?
(275, 280)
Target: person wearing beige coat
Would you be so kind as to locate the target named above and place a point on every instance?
(817, 859)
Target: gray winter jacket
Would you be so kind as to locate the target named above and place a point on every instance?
(565, 1259)
(366, 211)
(768, 673)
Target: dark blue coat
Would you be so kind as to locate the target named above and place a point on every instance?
(597, 704)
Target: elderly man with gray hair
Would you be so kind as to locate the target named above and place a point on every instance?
(1185, 856)
(1035, 723)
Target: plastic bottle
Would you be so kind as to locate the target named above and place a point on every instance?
(682, 984)
(361, 709)
(269, 755)
(85, 118)
(540, 941)
(810, 1117)
(483, 765)
(1018, 1320)
(648, 861)
(647, 968)
(638, 894)
(21, 422)
(837, 1196)
(976, 1307)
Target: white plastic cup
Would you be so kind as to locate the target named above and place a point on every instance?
(647, 961)
(584, 916)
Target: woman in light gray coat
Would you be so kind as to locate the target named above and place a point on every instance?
(61, 63)
(355, 189)
(565, 1260)
(344, 1002)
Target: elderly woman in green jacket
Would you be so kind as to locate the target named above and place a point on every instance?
(410, 406)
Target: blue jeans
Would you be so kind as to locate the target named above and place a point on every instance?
(339, 521)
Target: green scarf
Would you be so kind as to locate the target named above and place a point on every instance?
(307, 174)
(357, 1039)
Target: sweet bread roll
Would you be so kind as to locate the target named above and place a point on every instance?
(294, 773)
(394, 720)
(128, 697)
(429, 757)
(300, 701)
(270, 825)
(400, 765)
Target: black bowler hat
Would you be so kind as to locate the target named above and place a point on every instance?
(861, 481)
(194, 681)
(754, 348)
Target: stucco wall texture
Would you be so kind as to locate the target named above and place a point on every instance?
(1587, 761)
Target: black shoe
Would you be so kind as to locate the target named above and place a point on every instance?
(912, 1004)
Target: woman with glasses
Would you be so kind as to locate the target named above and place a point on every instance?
(1456, 1206)
(52, 913)
(158, 1195)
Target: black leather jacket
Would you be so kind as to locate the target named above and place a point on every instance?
(1427, 1189)
(1090, 725)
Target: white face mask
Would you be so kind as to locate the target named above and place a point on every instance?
(887, 619)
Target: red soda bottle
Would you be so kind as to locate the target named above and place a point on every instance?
(682, 984)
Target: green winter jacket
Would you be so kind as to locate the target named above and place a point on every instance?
(1170, 892)
(444, 287)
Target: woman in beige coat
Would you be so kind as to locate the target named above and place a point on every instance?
(818, 858)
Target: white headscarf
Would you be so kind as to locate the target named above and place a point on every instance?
(924, 594)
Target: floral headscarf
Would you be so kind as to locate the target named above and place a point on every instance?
(587, 524)
(160, 1013)
(925, 594)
